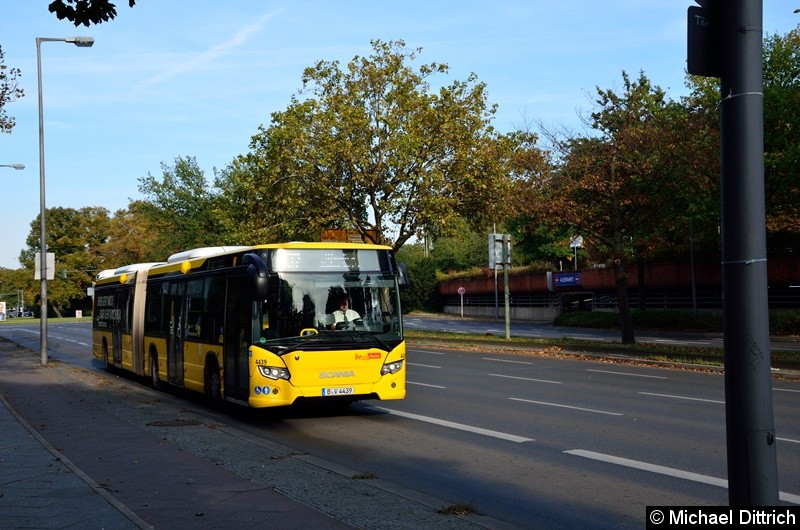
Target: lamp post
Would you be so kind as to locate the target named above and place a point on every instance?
(82, 42)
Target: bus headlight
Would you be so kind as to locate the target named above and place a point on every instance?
(391, 368)
(274, 372)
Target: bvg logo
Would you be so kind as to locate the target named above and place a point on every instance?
(369, 356)
(334, 375)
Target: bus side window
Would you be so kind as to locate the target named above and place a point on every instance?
(214, 309)
(194, 326)
(195, 302)
(154, 309)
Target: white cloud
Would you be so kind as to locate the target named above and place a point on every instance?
(202, 61)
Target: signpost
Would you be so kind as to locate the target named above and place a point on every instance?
(566, 279)
(500, 258)
(50, 266)
(576, 242)
(461, 292)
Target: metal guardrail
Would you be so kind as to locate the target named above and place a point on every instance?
(779, 298)
(524, 300)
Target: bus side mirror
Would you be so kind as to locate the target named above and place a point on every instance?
(403, 278)
(257, 270)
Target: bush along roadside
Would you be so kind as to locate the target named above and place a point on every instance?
(786, 323)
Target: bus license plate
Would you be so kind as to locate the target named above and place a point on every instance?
(341, 391)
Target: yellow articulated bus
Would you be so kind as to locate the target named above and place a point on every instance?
(261, 326)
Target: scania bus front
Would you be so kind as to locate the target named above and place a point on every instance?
(327, 325)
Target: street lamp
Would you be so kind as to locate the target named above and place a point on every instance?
(82, 42)
(14, 166)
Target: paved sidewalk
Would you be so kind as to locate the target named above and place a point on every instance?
(83, 449)
(91, 469)
(40, 489)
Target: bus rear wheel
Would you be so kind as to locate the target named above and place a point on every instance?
(105, 354)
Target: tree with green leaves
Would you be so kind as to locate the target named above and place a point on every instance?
(781, 66)
(782, 137)
(697, 156)
(181, 207)
(85, 12)
(132, 237)
(463, 249)
(616, 187)
(372, 147)
(9, 91)
(421, 294)
(16, 284)
(76, 237)
(262, 201)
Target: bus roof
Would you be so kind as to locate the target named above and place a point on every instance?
(324, 245)
(203, 252)
(208, 252)
(125, 269)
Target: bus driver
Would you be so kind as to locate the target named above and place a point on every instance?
(344, 317)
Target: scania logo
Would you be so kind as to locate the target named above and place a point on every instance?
(333, 375)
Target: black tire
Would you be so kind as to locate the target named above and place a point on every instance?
(105, 355)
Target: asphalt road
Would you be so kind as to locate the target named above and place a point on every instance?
(529, 440)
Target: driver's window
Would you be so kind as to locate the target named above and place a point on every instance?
(266, 331)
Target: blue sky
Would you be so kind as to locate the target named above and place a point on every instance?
(172, 78)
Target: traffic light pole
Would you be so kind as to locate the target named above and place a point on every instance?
(752, 455)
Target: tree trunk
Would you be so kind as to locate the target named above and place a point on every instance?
(625, 320)
(640, 267)
(620, 268)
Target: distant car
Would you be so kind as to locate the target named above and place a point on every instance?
(12, 314)
(27, 314)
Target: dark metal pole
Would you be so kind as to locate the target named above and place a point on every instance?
(507, 295)
(496, 298)
(42, 209)
(691, 267)
(82, 42)
(752, 456)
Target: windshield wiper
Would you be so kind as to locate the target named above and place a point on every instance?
(328, 338)
(283, 349)
(374, 336)
(287, 344)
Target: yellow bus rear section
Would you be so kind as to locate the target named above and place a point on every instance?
(103, 349)
(101, 339)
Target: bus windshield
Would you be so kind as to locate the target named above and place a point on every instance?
(320, 310)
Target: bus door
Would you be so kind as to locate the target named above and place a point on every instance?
(117, 323)
(238, 334)
(177, 323)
